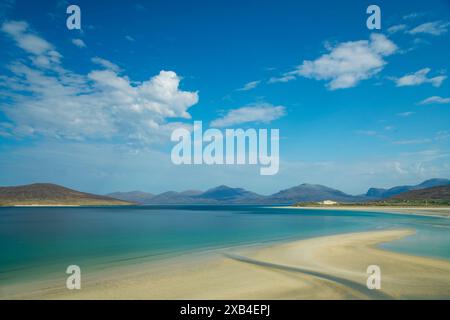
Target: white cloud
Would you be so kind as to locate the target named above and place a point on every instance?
(249, 86)
(106, 64)
(348, 63)
(264, 113)
(397, 28)
(435, 100)
(79, 43)
(435, 28)
(130, 38)
(101, 105)
(418, 78)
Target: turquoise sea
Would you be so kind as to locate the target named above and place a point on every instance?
(39, 242)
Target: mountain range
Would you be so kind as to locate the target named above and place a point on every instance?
(52, 194)
(301, 193)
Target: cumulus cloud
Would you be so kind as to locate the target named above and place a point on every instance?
(435, 100)
(347, 63)
(59, 103)
(79, 43)
(261, 113)
(435, 28)
(249, 86)
(418, 78)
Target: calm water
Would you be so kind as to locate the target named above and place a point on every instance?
(39, 242)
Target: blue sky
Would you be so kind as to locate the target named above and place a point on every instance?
(93, 109)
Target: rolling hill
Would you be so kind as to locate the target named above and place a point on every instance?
(52, 194)
(434, 196)
(434, 193)
(379, 193)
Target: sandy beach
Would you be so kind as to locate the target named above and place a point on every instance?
(421, 211)
(332, 267)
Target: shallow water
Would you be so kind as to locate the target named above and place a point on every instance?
(36, 243)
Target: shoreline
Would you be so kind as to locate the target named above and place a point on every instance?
(442, 212)
(327, 267)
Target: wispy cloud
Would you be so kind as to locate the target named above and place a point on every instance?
(412, 141)
(139, 6)
(79, 43)
(442, 135)
(347, 63)
(106, 64)
(370, 133)
(259, 113)
(249, 86)
(130, 38)
(435, 100)
(435, 28)
(284, 78)
(397, 28)
(405, 114)
(413, 15)
(418, 78)
(6, 6)
(41, 52)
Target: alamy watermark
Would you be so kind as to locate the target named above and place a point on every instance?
(233, 146)
(74, 20)
(374, 20)
(374, 279)
(73, 281)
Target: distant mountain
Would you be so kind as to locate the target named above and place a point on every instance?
(377, 193)
(172, 197)
(228, 195)
(218, 195)
(310, 192)
(225, 193)
(190, 193)
(52, 194)
(301, 193)
(434, 193)
(132, 196)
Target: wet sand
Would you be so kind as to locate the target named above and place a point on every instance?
(331, 267)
